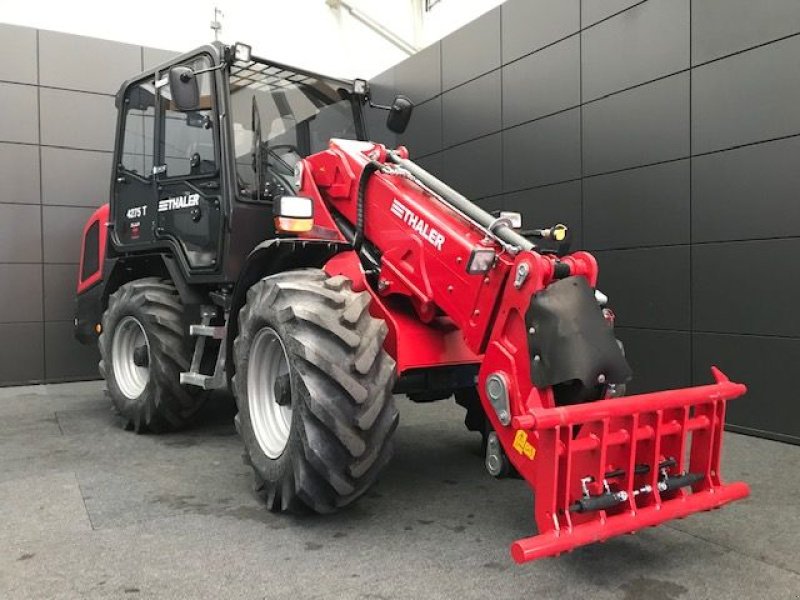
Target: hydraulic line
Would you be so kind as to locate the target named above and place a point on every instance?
(462, 204)
(370, 168)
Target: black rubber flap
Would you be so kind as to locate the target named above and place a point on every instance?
(571, 338)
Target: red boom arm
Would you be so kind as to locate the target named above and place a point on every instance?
(599, 469)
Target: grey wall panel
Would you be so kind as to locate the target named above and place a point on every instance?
(651, 40)
(77, 120)
(19, 119)
(542, 152)
(647, 287)
(648, 206)
(382, 89)
(21, 353)
(65, 358)
(472, 50)
(549, 205)
(18, 47)
(720, 28)
(376, 127)
(532, 24)
(747, 193)
(420, 76)
(20, 233)
(474, 168)
(746, 98)
(59, 292)
(152, 57)
(493, 203)
(647, 124)
(19, 173)
(660, 360)
(62, 226)
(724, 303)
(432, 163)
(471, 110)
(542, 83)
(75, 177)
(766, 365)
(593, 11)
(424, 133)
(21, 293)
(69, 181)
(88, 64)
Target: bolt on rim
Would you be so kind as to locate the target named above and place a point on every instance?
(268, 392)
(131, 378)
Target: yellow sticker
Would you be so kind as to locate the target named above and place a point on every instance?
(522, 445)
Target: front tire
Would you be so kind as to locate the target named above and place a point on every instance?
(143, 350)
(313, 386)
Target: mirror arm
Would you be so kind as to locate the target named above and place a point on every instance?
(379, 106)
(210, 69)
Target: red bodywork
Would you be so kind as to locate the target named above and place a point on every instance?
(438, 314)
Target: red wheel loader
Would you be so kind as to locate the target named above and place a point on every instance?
(255, 240)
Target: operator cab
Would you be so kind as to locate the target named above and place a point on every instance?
(208, 141)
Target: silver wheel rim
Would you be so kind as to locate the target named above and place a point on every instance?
(266, 364)
(130, 377)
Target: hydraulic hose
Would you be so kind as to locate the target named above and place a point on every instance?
(369, 169)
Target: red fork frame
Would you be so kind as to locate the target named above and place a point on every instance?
(588, 440)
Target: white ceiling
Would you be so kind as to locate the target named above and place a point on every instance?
(306, 33)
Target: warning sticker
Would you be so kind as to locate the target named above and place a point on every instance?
(522, 445)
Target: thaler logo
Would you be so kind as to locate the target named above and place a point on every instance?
(176, 202)
(419, 225)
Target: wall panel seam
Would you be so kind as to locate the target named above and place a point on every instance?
(741, 51)
(580, 121)
(765, 336)
(43, 362)
(691, 216)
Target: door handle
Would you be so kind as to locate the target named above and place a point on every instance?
(122, 179)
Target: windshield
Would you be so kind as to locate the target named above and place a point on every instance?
(281, 115)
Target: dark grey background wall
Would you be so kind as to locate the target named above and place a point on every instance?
(57, 121)
(665, 133)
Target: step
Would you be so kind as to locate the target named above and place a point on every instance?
(212, 331)
(206, 382)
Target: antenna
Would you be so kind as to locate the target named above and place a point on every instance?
(216, 24)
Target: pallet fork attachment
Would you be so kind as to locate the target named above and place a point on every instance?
(616, 466)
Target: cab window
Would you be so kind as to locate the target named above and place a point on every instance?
(137, 135)
(188, 137)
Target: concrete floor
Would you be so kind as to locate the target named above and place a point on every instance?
(89, 510)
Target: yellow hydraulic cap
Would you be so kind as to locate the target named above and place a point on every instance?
(559, 232)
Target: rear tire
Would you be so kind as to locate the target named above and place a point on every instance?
(308, 345)
(143, 350)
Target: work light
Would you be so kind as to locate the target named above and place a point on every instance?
(294, 214)
(242, 52)
(480, 261)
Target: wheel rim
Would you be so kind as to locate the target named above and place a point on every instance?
(131, 378)
(267, 377)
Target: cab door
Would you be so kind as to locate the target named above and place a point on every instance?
(133, 185)
(188, 213)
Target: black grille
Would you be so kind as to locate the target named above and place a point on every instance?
(91, 251)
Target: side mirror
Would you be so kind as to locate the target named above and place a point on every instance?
(183, 85)
(399, 114)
